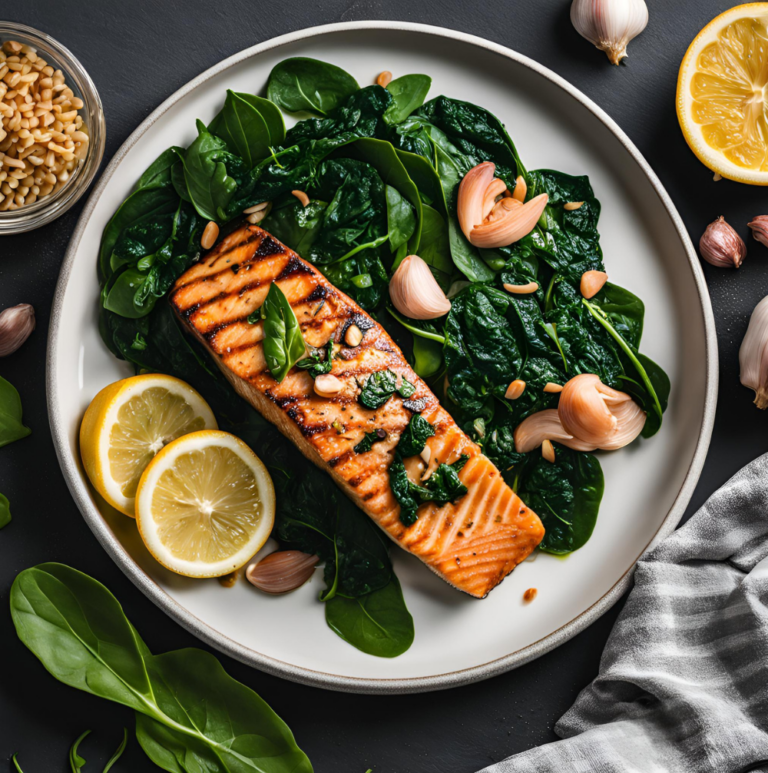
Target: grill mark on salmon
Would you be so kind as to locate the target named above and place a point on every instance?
(472, 543)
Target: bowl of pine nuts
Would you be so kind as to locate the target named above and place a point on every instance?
(51, 129)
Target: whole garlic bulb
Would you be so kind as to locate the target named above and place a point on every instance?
(721, 246)
(610, 24)
(415, 292)
(753, 355)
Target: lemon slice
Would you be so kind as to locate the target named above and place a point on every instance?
(722, 94)
(127, 423)
(205, 504)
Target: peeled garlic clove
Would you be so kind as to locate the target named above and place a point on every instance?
(415, 292)
(583, 411)
(610, 24)
(16, 325)
(514, 223)
(753, 355)
(327, 385)
(596, 414)
(721, 246)
(469, 205)
(282, 571)
(759, 226)
(545, 425)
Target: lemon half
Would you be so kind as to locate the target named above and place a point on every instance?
(722, 94)
(128, 422)
(205, 504)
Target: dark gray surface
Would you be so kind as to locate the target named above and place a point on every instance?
(138, 53)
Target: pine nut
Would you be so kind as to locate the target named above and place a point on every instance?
(327, 385)
(384, 79)
(210, 234)
(302, 197)
(256, 208)
(572, 205)
(515, 389)
(548, 451)
(353, 336)
(552, 388)
(531, 287)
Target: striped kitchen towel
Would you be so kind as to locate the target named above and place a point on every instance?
(683, 682)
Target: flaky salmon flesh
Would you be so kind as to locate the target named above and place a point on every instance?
(472, 543)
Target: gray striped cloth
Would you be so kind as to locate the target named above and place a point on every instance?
(683, 682)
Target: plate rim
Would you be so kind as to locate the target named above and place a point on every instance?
(208, 634)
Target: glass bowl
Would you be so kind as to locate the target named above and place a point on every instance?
(49, 208)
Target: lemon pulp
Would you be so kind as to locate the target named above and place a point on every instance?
(144, 424)
(729, 91)
(207, 506)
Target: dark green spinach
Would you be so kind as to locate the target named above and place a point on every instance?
(414, 436)
(303, 84)
(320, 360)
(366, 444)
(379, 387)
(243, 129)
(409, 93)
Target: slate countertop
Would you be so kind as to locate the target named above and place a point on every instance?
(140, 52)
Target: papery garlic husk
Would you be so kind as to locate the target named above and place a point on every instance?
(415, 292)
(753, 355)
(721, 246)
(610, 24)
(545, 425)
(596, 414)
(282, 571)
(16, 325)
(759, 226)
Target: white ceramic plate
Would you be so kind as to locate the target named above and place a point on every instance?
(458, 639)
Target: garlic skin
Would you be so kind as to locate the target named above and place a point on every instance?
(753, 355)
(759, 226)
(16, 325)
(610, 24)
(721, 246)
(415, 292)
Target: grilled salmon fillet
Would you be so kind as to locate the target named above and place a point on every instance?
(472, 543)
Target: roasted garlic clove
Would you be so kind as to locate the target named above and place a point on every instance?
(282, 571)
(598, 415)
(545, 425)
(16, 325)
(753, 355)
(415, 292)
(721, 246)
(327, 385)
(488, 223)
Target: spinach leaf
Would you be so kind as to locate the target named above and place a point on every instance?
(403, 491)
(283, 342)
(409, 92)
(435, 247)
(401, 221)
(154, 196)
(419, 328)
(5, 511)
(406, 388)
(294, 225)
(243, 129)
(378, 623)
(303, 84)
(320, 360)
(117, 753)
(566, 496)
(625, 311)
(414, 436)
(76, 762)
(272, 116)
(366, 444)
(207, 174)
(187, 706)
(427, 357)
(379, 387)
(11, 428)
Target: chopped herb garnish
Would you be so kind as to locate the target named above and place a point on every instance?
(139, 343)
(319, 306)
(255, 317)
(378, 389)
(320, 360)
(406, 389)
(339, 427)
(414, 436)
(366, 444)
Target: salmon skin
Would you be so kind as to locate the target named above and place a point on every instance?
(472, 543)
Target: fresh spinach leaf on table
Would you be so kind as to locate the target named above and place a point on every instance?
(76, 762)
(187, 706)
(5, 511)
(303, 84)
(11, 427)
(283, 342)
(378, 623)
(409, 93)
